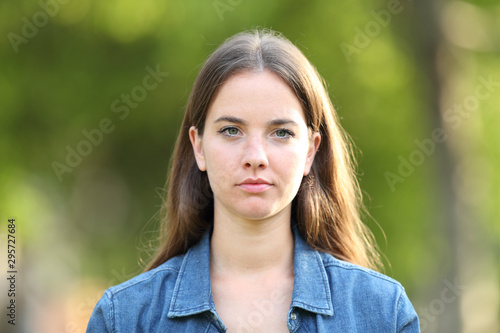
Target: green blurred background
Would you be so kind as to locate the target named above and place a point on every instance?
(85, 141)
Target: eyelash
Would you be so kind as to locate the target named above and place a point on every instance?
(225, 129)
(287, 131)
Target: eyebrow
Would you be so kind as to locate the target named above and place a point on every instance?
(230, 120)
(275, 122)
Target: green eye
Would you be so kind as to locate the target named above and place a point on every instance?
(281, 133)
(229, 131)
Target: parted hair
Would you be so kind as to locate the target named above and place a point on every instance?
(328, 207)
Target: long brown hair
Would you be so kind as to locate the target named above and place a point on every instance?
(327, 207)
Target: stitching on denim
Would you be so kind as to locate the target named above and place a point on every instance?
(326, 283)
(309, 307)
(127, 284)
(178, 282)
(111, 314)
(349, 266)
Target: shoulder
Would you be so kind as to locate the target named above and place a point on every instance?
(149, 292)
(150, 280)
(136, 295)
(350, 283)
(141, 290)
(349, 274)
(364, 291)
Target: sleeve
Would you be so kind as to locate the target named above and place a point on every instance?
(102, 319)
(407, 319)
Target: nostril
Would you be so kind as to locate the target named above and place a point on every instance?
(255, 155)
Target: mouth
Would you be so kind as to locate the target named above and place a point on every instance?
(254, 185)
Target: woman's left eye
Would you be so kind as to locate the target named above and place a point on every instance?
(283, 133)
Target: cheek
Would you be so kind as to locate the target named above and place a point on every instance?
(290, 164)
(219, 164)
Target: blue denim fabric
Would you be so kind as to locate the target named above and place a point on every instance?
(329, 295)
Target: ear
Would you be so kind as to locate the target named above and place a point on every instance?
(196, 142)
(311, 152)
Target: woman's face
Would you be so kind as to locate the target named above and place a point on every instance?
(256, 146)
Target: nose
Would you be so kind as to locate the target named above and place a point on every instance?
(255, 156)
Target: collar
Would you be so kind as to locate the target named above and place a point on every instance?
(311, 289)
(193, 294)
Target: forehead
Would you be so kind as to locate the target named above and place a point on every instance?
(256, 96)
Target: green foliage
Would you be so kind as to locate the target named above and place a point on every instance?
(66, 77)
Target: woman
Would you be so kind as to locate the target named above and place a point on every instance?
(262, 228)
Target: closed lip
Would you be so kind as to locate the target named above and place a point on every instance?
(254, 181)
(252, 185)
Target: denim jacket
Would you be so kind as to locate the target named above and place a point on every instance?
(329, 295)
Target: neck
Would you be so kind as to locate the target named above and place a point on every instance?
(248, 247)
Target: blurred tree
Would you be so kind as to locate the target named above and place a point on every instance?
(74, 72)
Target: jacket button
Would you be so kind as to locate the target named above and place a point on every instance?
(293, 316)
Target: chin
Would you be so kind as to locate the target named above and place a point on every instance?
(258, 212)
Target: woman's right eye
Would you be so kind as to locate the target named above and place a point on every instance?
(229, 131)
